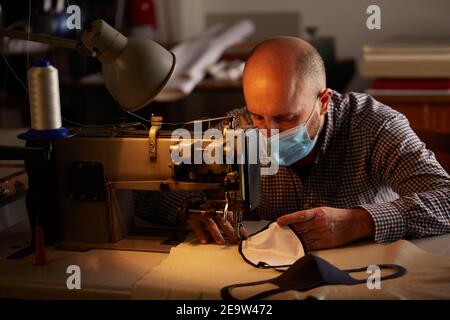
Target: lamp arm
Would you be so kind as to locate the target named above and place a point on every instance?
(43, 38)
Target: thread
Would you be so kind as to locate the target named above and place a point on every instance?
(43, 91)
(39, 244)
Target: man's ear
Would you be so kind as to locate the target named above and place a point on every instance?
(325, 99)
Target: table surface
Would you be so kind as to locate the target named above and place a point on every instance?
(105, 274)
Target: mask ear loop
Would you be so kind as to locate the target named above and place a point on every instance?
(226, 291)
(319, 97)
(309, 118)
(312, 112)
(399, 271)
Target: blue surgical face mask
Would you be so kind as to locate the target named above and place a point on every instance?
(293, 144)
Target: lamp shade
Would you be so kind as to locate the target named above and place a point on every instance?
(134, 69)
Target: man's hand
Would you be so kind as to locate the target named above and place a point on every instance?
(326, 227)
(206, 227)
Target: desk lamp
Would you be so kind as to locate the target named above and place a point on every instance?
(134, 69)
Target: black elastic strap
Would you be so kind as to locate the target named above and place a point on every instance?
(399, 271)
(226, 291)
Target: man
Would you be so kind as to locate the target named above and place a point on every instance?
(351, 167)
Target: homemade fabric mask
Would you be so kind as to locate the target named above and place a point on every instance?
(277, 247)
(273, 247)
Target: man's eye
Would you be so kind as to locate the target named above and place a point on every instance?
(258, 118)
(290, 118)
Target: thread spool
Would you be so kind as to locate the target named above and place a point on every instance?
(45, 105)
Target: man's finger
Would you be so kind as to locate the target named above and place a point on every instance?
(306, 226)
(230, 217)
(244, 232)
(314, 245)
(197, 227)
(226, 226)
(214, 230)
(311, 236)
(296, 217)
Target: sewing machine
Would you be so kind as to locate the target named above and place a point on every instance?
(81, 190)
(81, 184)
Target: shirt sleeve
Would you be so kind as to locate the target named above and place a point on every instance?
(400, 160)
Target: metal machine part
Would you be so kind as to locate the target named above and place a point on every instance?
(97, 172)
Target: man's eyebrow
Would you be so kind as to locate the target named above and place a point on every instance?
(279, 116)
(288, 115)
(254, 114)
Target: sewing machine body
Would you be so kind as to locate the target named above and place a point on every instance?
(97, 172)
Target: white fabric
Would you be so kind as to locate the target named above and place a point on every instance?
(195, 55)
(275, 246)
(194, 271)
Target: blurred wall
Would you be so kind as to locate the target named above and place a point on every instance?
(345, 20)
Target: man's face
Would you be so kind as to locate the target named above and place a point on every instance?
(277, 104)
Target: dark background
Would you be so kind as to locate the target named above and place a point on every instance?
(92, 104)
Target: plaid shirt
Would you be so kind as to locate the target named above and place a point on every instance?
(369, 158)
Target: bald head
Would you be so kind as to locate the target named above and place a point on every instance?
(287, 59)
(281, 75)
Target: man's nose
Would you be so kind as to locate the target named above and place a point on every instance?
(270, 123)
